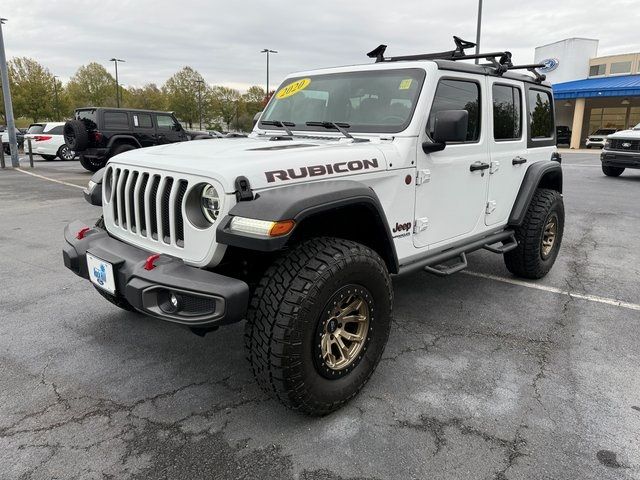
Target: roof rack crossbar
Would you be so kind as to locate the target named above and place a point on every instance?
(500, 61)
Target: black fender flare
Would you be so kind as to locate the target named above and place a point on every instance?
(128, 138)
(93, 192)
(546, 174)
(298, 202)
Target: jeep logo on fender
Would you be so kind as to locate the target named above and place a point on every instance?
(319, 170)
(400, 227)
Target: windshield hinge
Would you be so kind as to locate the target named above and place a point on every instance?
(423, 176)
(420, 225)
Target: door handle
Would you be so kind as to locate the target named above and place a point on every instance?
(518, 161)
(478, 166)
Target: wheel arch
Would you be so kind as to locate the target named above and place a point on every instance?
(538, 175)
(117, 140)
(344, 208)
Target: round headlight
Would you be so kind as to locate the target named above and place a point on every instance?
(210, 202)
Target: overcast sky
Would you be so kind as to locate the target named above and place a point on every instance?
(222, 40)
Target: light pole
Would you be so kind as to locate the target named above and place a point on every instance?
(478, 29)
(8, 105)
(267, 51)
(115, 61)
(55, 93)
(200, 84)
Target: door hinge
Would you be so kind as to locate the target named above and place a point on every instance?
(495, 166)
(423, 176)
(420, 224)
(491, 206)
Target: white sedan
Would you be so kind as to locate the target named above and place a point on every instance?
(47, 141)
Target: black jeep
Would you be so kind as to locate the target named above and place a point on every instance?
(97, 134)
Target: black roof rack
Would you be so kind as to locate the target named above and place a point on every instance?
(500, 61)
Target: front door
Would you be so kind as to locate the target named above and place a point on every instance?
(168, 130)
(450, 199)
(508, 145)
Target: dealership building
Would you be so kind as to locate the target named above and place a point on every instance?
(591, 92)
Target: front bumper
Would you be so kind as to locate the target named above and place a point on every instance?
(595, 143)
(618, 159)
(209, 299)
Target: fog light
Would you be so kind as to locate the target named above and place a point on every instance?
(169, 302)
(173, 299)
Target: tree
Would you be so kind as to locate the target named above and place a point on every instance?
(227, 103)
(92, 86)
(148, 97)
(32, 89)
(181, 91)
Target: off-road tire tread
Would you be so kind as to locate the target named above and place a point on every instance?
(272, 313)
(92, 166)
(525, 261)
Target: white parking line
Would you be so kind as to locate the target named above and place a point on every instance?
(50, 179)
(545, 288)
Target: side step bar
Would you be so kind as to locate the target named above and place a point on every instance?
(437, 263)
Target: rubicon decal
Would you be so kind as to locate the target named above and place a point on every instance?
(320, 170)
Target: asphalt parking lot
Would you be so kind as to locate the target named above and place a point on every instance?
(483, 377)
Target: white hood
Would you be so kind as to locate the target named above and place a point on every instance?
(265, 162)
(631, 134)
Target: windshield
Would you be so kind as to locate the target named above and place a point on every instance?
(604, 131)
(370, 101)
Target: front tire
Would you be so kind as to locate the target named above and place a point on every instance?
(539, 237)
(305, 335)
(612, 171)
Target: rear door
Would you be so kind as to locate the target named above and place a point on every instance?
(143, 128)
(507, 145)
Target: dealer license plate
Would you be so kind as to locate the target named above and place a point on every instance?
(101, 273)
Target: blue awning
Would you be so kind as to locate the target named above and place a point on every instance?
(616, 86)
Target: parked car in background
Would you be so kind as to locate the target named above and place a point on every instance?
(5, 139)
(563, 135)
(96, 134)
(199, 134)
(47, 141)
(597, 138)
(621, 150)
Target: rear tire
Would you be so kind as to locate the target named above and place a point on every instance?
(125, 147)
(320, 290)
(539, 237)
(65, 153)
(48, 158)
(76, 135)
(612, 171)
(92, 164)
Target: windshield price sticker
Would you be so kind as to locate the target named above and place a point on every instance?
(405, 84)
(293, 88)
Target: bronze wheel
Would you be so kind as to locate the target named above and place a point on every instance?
(343, 330)
(549, 235)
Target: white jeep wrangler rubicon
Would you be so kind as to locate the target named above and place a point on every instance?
(352, 174)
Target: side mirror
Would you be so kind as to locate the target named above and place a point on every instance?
(256, 117)
(449, 126)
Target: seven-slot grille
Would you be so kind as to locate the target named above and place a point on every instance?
(147, 204)
(618, 144)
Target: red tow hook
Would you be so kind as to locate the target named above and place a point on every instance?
(82, 232)
(148, 264)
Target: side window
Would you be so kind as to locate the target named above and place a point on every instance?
(142, 120)
(507, 107)
(458, 95)
(56, 130)
(540, 114)
(116, 120)
(165, 122)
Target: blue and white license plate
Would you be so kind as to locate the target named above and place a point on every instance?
(101, 273)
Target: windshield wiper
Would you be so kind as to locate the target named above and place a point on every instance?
(278, 123)
(334, 125)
